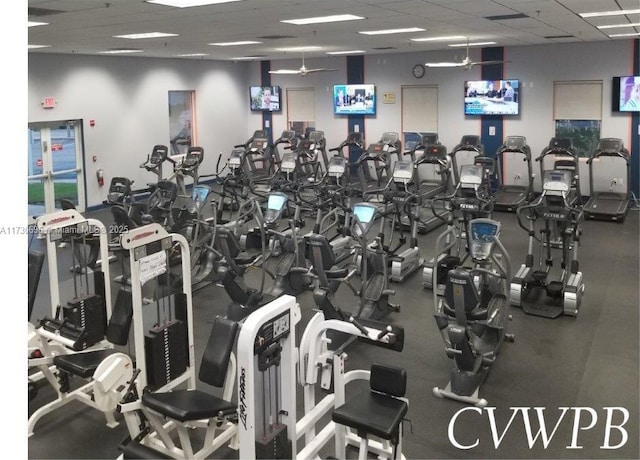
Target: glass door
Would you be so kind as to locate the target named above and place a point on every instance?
(55, 179)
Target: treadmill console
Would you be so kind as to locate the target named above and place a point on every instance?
(434, 153)
(556, 181)
(516, 143)
(483, 235)
(276, 202)
(259, 144)
(610, 145)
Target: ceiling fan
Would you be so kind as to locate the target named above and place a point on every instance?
(303, 70)
(466, 63)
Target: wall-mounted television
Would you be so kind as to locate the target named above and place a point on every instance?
(492, 97)
(265, 98)
(354, 99)
(625, 95)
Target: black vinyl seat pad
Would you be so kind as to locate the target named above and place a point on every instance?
(82, 364)
(188, 405)
(372, 413)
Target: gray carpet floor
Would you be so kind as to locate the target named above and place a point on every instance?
(588, 361)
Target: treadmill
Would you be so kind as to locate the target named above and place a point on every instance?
(431, 180)
(465, 153)
(515, 186)
(609, 200)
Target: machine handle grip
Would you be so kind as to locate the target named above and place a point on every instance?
(360, 327)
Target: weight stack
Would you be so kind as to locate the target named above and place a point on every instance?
(89, 314)
(166, 353)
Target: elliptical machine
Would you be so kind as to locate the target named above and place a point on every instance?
(373, 293)
(473, 314)
(469, 200)
(536, 290)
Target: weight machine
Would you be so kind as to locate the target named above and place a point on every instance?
(267, 402)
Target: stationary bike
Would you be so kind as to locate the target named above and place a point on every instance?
(473, 314)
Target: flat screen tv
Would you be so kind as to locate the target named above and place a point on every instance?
(265, 98)
(492, 97)
(354, 99)
(625, 96)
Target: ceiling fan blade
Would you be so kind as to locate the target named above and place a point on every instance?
(443, 64)
(487, 62)
(286, 71)
(320, 70)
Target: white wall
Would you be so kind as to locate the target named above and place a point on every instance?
(128, 98)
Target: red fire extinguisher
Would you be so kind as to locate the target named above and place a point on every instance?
(100, 177)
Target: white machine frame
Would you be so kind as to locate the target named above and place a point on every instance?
(315, 362)
(51, 228)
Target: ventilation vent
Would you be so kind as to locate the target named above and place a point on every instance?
(506, 17)
(36, 12)
(276, 37)
(551, 37)
(385, 48)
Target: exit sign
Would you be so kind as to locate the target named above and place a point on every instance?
(49, 102)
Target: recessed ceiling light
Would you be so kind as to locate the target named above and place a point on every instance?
(245, 42)
(323, 19)
(391, 31)
(436, 39)
(346, 52)
(459, 45)
(614, 26)
(299, 48)
(631, 34)
(38, 46)
(121, 51)
(145, 35)
(34, 24)
(188, 3)
(192, 55)
(608, 13)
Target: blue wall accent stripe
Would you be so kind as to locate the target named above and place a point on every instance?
(492, 72)
(355, 76)
(635, 127)
(265, 80)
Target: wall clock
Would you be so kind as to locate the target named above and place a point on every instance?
(418, 71)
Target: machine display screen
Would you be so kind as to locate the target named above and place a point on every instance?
(364, 213)
(200, 194)
(483, 232)
(276, 201)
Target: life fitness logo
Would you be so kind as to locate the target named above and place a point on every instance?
(59, 219)
(143, 235)
(540, 425)
(243, 397)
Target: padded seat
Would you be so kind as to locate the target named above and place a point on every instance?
(379, 412)
(373, 413)
(82, 364)
(188, 405)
